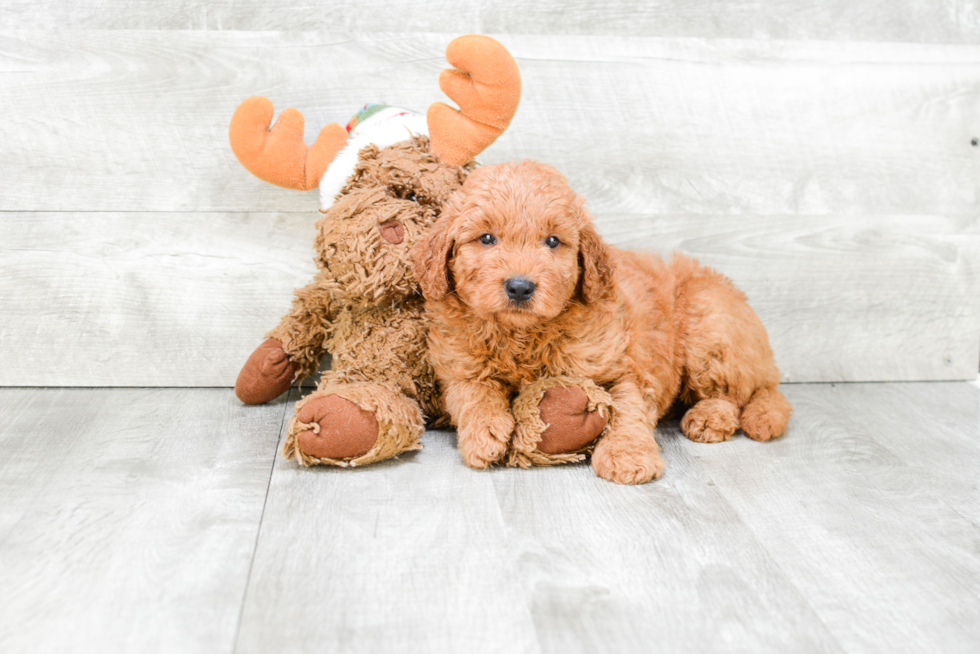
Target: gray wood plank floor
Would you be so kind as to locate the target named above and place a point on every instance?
(161, 520)
(128, 517)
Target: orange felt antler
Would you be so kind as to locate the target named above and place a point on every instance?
(280, 155)
(486, 85)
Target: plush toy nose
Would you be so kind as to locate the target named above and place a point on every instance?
(392, 231)
(519, 289)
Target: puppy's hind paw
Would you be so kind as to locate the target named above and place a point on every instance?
(710, 421)
(766, 415)
(627, 465)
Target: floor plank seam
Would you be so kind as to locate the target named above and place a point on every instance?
(258, 532)
(55, 387)
(772, 560)
(512, 535)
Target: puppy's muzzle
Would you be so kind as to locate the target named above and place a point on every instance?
(519, 289)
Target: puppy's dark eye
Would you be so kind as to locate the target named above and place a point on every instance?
(552, 242)
(411, 197)
(488, 239)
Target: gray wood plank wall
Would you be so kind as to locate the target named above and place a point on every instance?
(949, 21)
(832, 175)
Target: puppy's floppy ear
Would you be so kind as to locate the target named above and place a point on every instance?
(430, 256)
(596, 263)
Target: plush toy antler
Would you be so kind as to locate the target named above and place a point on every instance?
(485, 83)
(280, 156)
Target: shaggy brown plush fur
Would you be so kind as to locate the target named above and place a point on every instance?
(364, 307)
(646, 330)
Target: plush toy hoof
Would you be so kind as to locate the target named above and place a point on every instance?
(341, 429)
(571, 426)
(267, 374)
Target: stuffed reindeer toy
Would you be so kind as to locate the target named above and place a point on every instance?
(382, 182)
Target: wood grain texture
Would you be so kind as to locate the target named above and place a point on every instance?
(407, 555)
(152, 299)
(423, 554)
(137, 121)
(613, 568)
(835, 183)
(936, 453)
(181, 299)
(862, 506)
(844, 298)
(951, 21)
(858, 531)
(128, 518)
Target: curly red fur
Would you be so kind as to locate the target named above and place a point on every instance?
(646, 330)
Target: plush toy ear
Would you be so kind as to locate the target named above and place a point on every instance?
(596, 264)
(430, 257)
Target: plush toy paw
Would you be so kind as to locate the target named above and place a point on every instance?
(628, 460)
(710, 421)
(557, 420)
(267, 374)
(482, 443)
(338, 428)
(350, 424)
(571, 426)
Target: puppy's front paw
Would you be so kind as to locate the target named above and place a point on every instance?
(627, 463)
(482, 443)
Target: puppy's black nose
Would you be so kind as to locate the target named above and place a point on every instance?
(519, 289)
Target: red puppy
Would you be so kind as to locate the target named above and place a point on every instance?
(521, 289)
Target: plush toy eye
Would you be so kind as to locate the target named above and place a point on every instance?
(411, 197)
(488, 239)
(552, 242)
